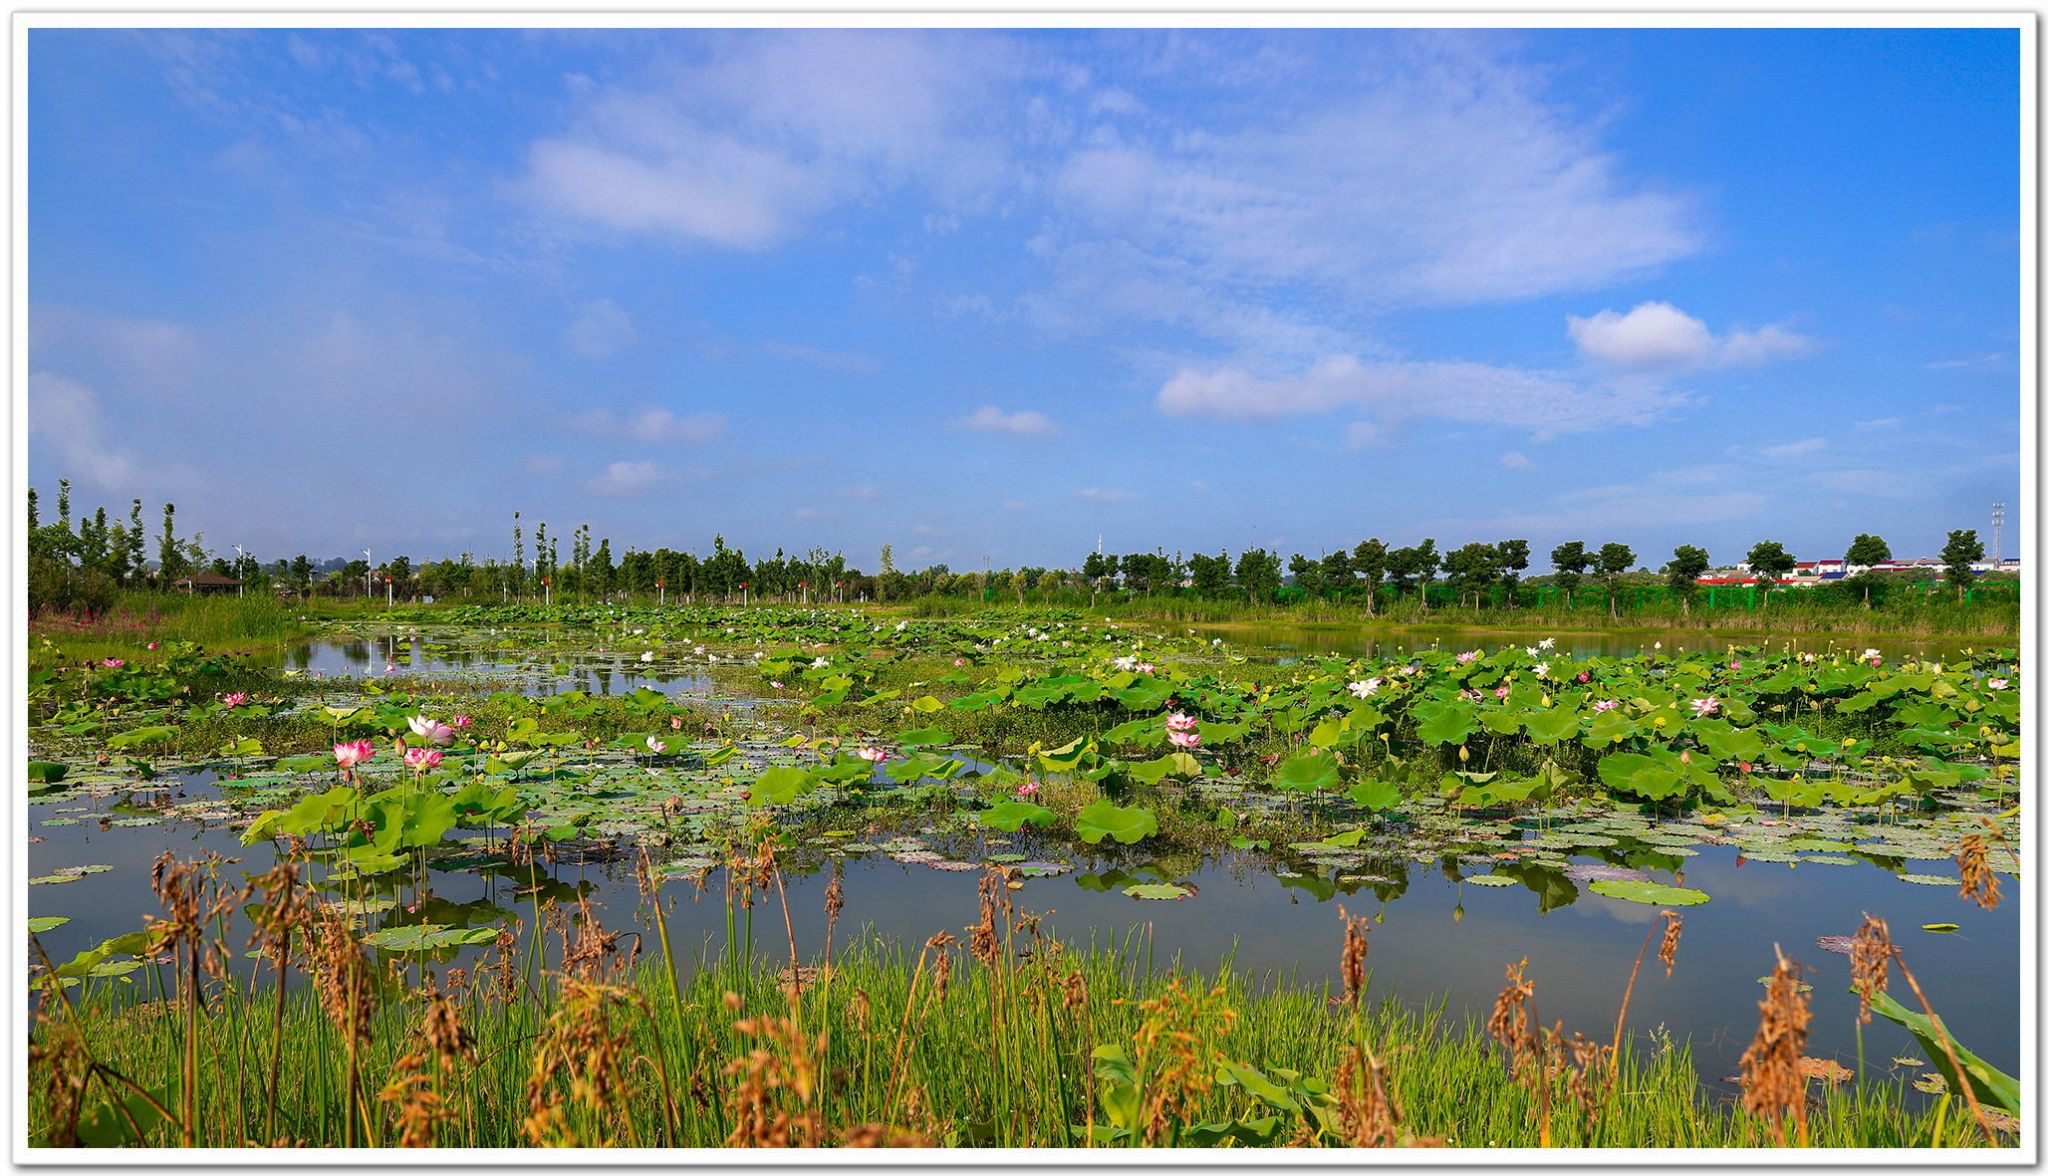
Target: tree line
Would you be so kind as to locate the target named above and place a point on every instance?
(77, 564)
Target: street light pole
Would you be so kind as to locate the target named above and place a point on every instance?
(368, 582)
(238, 572)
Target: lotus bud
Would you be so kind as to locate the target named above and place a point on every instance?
(1464, 754)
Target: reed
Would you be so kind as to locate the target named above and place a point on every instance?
(568, 1036)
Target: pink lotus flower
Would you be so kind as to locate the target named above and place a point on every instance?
(432, 730)
(1470, 655)
(422, 759)
(1146, 667)
(460, 722)
(675, 722)
(777, 685)
(874, 755)
(151, 645)
(1181, 721)
(1998, 683)
(1584, 676)
(235, 699)
(1702, 707)
(1501, 692)
(348, 755)
(656, 746)
(113, 663)
(1605, 704)
(959, 661)
(1184, 738)
(1028, 788)
(1734, 665)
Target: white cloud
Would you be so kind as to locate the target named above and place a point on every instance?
(601, 330)
(64, 414)
(1545, 403)
(1657, 336)
(862, 493)
(1794, 448)
(1101, 497)
(1868, 483)
(1514, 461)
(629, 479)
(852, 363)
(1442, 178)
(543, 465)
(1026, 422)
(1744, 348)
(650, 425)
(742, 150)
(1971, 363)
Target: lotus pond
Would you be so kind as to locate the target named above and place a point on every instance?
(1181, 799)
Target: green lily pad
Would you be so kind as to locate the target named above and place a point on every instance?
(1652, 893)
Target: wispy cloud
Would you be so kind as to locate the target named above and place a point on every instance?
(703, 153)
(1545, 403)
(64, 415)
(1992, 359)
(601, 330)
(1101, 497)
(1791, 449)
(651, 425)
(852, 363)
(630, 479)
(1027, 422)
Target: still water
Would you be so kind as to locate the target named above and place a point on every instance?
(1435, 939)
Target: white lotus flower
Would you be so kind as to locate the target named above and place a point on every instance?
(1365, 689)
(648, 656)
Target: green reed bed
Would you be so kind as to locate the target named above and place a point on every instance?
(996, 1037)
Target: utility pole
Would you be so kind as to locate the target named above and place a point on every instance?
(367, 582)
(1997, 536)
(238, 571)
(387, 592)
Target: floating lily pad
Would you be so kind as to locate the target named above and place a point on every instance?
(1157, 890)
(1652, 893)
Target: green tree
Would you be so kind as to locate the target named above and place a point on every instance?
(1962, 549)
(1369, 561)
(1572, 561)
(170, 556)
(1336, 571)
(1258, 573)
(1307, 573)
(1513, 555)
(1768, 562)
(1211, 574)
(1611, 562)
(1866, 551)
(1683, 573)
(1471, 569)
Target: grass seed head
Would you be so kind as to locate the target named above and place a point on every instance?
(1772, 1081)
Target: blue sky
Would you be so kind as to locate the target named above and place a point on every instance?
(998, 293)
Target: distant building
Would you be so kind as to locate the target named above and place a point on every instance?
(206, 582)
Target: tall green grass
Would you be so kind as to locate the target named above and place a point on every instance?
(221, 623)
(672, 1053)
